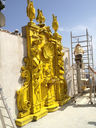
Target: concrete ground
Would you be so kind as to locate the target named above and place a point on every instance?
(72, 115)
(79, 115)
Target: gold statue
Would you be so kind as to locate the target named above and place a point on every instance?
(55, 23)
(30, 10)
(40, 18)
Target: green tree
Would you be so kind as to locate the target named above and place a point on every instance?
(2, 6)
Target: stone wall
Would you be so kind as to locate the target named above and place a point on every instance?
(11, 59)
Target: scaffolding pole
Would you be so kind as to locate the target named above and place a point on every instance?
(86, 43)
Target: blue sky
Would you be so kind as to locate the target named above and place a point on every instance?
(72, 15)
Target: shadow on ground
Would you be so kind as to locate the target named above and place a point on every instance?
(73, 104)
(66, 105)
(92, 123)
(83, 105)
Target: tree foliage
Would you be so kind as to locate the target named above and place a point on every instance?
(2, 6)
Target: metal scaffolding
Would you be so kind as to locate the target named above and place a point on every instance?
(86, 43)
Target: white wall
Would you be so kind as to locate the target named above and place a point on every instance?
(11, 59)
(68, 72)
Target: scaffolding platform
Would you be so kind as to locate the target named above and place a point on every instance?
(85, 42)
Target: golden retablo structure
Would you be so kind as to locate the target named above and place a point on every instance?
(44, 88)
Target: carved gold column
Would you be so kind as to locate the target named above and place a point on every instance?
(61, 88)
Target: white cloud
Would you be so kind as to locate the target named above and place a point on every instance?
(75, 29)
(61, 29)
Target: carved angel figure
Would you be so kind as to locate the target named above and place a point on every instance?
(40, 18)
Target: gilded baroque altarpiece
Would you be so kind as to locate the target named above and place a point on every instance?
(44, 88)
